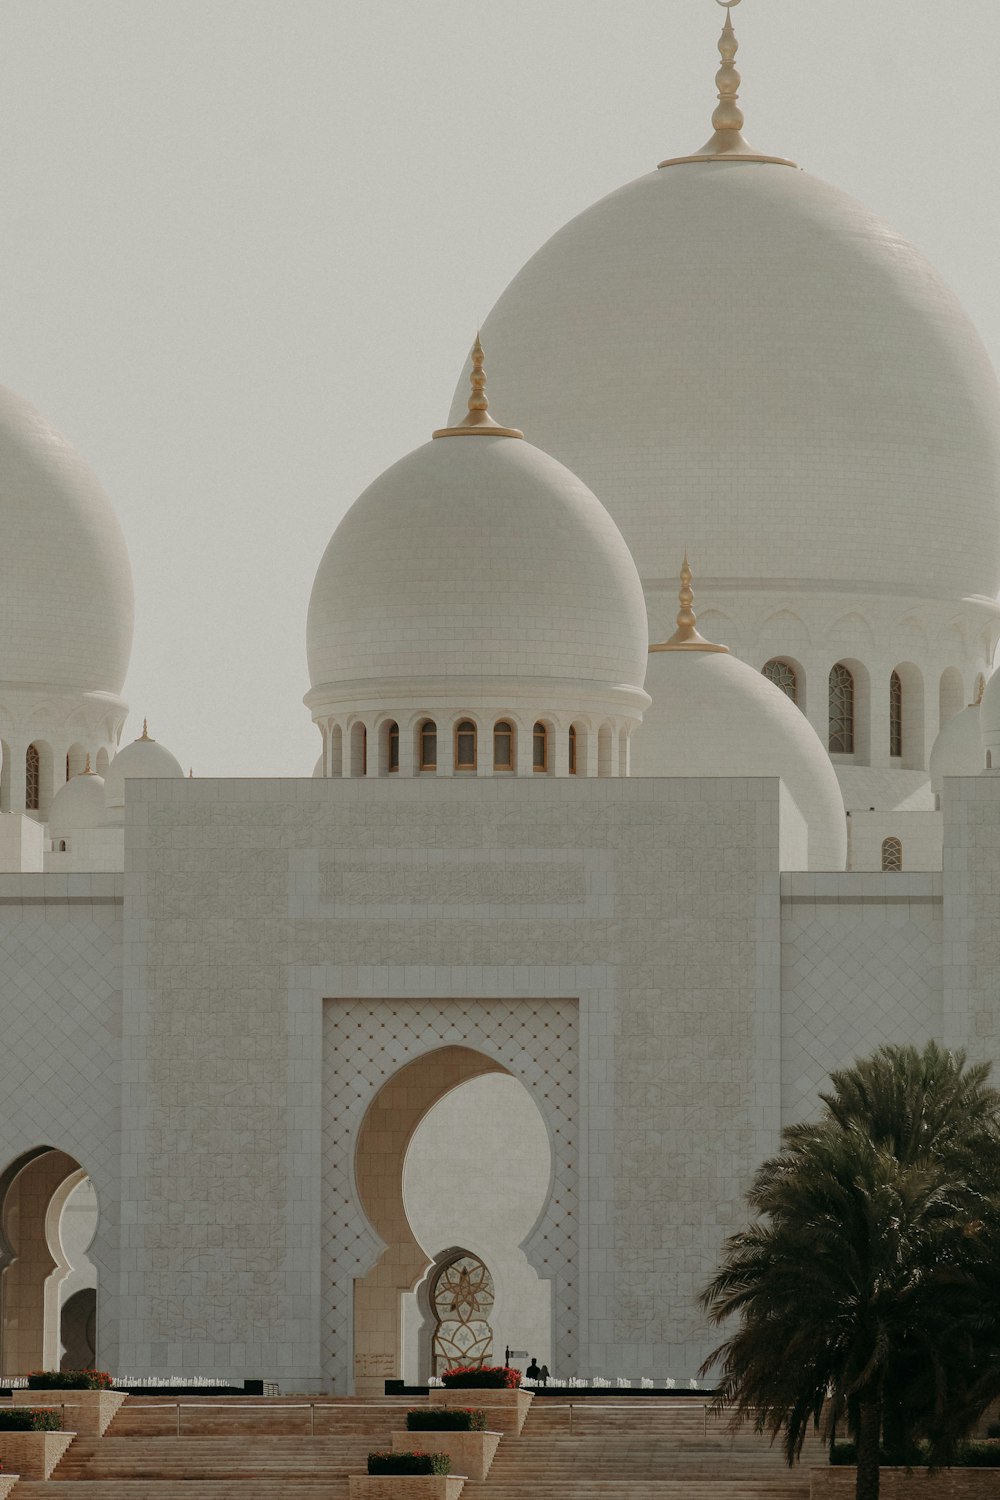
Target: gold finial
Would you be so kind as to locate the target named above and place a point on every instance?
(686, 637)
(191, 773)
(86, 770)
(145, 735)
(478, 423)
(727, 122)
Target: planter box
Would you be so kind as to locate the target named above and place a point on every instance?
(471, 1453)
(505, 1410)
(88, 1413)
(7, 1483)
(895, 1484)
(33, 1455)
(406, 1486)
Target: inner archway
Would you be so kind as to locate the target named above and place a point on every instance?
(386, 1132)
(477, 1178)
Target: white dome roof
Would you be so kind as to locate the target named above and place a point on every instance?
(754, 366)
(714, 716)
(958, 749)
(143, 758)
(66, 595)
(78, 805)
(476, 559)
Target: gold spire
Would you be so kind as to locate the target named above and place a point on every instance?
(145, 735)
(191, 774)
(86, 770)
(727, 143)
(478, 423)
(686, 637)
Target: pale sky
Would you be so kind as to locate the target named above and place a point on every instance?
(246, 245)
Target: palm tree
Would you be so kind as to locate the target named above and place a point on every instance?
(868, 1286)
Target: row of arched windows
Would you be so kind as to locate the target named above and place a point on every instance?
(466, 746)
(843, 717)
(469, 748)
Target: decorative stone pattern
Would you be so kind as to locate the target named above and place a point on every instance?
(507, 1411)
(7, 1483)
(861, 966)
(897, 1484)
(471, 1453)
(33, 1455)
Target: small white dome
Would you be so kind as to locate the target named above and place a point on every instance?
(66, 600)
(483, 562)
(78, 805)
(144, 758)
(958, 749)
(714, 716)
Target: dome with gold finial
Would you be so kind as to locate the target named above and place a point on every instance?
(78, 805)
(477, 573)
(142, 759)
(752, 360)
(712, 715)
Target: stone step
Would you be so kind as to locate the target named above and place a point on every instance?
(270, 1488)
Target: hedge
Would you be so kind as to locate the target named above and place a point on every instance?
(69, 1380)
(493, 1377)
(445, 1419)
(409, 1463)
(25, 1419)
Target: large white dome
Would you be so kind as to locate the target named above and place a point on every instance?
(143, 759)
(480, 561)
(712, 715)
(754, 366)
(66, 596)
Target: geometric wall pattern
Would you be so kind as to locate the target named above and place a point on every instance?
(365, 1042)
(854, 976)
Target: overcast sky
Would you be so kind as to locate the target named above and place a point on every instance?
(246, 244)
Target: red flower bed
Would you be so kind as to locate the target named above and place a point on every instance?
(493, 1377)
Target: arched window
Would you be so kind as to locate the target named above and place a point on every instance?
(783, 676)
(392, 744)
(572, 749)
(428, 745)
(892, 855)
(540, 748)
(895, 715)
(465, 746)
(841, 740)
(32, 778)
(503, 746)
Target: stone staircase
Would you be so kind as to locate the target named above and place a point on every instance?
(294, 1449)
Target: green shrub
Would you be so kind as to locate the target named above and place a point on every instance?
(993, 1430)
(445, 1419)
(493, 1377)
(25, 1419)
(409, 1463)
(69, 1380)
(979, 1455)
(970, 1455)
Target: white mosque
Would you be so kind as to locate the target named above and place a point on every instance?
(475, 1036)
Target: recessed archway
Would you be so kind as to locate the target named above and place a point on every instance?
(373, 1100)
(34, 1263)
